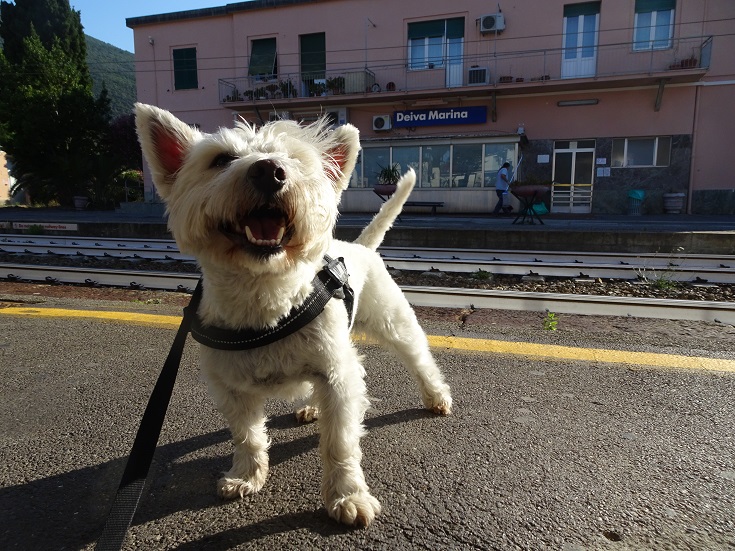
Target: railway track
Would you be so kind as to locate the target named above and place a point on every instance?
(723, 312)
(678, 266)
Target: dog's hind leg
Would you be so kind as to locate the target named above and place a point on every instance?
(387, 316)
(342, 404)
(245, 415)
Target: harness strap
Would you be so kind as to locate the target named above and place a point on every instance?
(136, 470)
(330, 282)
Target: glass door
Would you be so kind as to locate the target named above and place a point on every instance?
(571, 191)
(579, 54)
(455, 67)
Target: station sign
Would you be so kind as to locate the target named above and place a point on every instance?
(440, 117)
(44, 225)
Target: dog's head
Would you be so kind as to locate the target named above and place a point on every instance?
(260, 199)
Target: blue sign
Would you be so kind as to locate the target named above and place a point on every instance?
(437, 117)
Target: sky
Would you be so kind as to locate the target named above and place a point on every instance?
(105, 19)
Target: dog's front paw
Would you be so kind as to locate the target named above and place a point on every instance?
(231, 488)
(358, 509)
(441, 404)
(307, 414)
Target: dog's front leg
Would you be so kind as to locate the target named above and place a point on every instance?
(342, 404)
(245, 415)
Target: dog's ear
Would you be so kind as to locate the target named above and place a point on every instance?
(343, 154)
(165, 141)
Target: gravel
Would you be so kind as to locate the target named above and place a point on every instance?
(663, 287)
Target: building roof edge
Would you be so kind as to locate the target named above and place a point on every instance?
(212, 12)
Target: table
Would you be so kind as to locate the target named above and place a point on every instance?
(527, 195)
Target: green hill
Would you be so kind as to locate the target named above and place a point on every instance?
(116, 68)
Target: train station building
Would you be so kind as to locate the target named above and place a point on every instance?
(600, 101)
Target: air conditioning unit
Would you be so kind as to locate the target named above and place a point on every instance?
(381, 122)
(477, 76)
(337, 117)
(279, 116)
(494, 22)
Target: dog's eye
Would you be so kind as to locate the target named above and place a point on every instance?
(222, 160)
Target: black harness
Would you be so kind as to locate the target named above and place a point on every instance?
(330, 282)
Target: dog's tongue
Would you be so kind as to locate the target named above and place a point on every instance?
(266, 227)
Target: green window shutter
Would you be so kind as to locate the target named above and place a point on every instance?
(263, 57)
(585, 8)
(647, 6)
(313, 54)
(185, 69)
(426, 29)
(455, 27)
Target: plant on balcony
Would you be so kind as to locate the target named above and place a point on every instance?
(287, 89)
(336, 85)
(688, 63)
(317, 89)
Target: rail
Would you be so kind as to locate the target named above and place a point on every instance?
(676, 267)
(723, 312)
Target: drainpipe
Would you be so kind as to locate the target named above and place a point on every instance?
(695, 117)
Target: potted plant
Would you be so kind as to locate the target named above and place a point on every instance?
(387, 179)
(336, 85)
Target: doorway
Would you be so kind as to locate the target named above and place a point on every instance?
(573, 176)
(579, 52)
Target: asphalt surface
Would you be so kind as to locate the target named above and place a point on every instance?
(540, 453)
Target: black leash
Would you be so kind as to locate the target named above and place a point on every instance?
(329, 282)
(133, 478)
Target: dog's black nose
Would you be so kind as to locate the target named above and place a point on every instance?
(266, 175)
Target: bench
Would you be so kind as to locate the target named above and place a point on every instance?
(432, 204)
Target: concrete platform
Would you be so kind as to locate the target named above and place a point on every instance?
(696, 234)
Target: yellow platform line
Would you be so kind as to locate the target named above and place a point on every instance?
(455, 343)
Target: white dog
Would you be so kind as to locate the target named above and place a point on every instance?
(258, 208)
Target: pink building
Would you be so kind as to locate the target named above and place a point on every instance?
(596, 99)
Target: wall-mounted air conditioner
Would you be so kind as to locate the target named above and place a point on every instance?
(477, 76)
(337, 117)
(278, 116)
(494, 22)
(381, 122)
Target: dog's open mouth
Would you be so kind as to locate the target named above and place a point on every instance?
(264, 230)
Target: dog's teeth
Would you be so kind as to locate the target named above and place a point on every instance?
(249, 235)
(280, 235)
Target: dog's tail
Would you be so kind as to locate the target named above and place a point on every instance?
(373, 234)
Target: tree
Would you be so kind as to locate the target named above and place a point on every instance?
(52, 20)
(54, 130)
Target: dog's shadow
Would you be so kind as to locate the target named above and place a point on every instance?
(69, 510)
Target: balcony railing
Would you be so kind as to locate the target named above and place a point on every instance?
(541, 66)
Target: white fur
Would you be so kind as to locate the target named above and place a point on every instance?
(246, 288)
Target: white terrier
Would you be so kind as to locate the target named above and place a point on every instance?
(258, 208)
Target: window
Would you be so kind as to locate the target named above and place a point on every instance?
(639, 152)
(654, 24)
(428, 40)
(185, 69)
(313, 64)
(263, 63)
(470, 164)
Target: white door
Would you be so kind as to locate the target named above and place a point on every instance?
(573, 177)
(579, 54)
(455, 72)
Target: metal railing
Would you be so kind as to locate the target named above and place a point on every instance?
(556, 64)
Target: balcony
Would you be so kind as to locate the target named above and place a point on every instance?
(559, 69)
